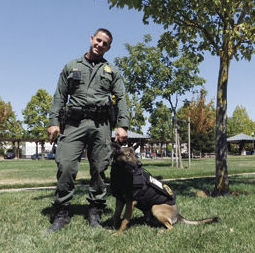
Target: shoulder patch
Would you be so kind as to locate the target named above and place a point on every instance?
(168, 189)
(107, 69)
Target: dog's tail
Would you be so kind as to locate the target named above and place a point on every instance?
(197, 222)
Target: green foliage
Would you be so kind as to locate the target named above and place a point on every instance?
(161, 123)
(220, 27)
(5, 114)
(153, 73)
(36, 114)
(10, 127)
(137, 119)
(240, 122)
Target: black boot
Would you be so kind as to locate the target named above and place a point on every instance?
(95, 216)
(61, 218)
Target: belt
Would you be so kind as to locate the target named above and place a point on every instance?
(88, 112)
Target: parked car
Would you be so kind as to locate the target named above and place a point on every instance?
(50, 156)
(169, 153)
(9, 155)
(185, 155)
(249, 152)
(148, 154)
(38, 156)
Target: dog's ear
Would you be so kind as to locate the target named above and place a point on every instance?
(116, 147)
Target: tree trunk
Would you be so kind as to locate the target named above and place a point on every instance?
(36, 149)
(42, 150)
(222, 182)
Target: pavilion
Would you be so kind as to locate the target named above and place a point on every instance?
(241, 139)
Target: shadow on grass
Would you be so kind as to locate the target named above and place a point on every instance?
(189, 187)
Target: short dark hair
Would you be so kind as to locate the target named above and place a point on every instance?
(104, 31)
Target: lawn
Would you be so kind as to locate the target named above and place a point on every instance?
(28, 173)
(25, 215)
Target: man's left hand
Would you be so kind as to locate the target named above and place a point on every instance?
(121, 134)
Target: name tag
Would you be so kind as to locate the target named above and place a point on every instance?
(156, 182)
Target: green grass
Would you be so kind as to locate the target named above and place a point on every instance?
(28, 173)
(25, 218)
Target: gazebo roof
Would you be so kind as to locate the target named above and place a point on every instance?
(240, 137)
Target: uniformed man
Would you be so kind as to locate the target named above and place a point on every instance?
(84, 89)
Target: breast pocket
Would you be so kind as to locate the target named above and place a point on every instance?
(106, 81)
(74, 79)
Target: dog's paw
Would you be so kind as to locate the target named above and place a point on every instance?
(117, 233)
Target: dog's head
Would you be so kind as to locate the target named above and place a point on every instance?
(123, 156)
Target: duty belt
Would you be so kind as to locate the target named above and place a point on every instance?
(78, 113)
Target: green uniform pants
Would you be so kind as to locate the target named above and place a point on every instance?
(71, 144)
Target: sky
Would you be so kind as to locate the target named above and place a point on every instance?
(38, 37)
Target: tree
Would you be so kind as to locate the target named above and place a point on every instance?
(137, 119)
(36, 116)
(151, 73)
(202, 121)
(240, 122)
(10, 127)
(5, 113)
(155, 73)
(223, 28)
(161, 123)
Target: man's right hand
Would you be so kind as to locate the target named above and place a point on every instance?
(52, 132)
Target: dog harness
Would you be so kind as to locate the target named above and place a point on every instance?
(138, 184)
(148, 191)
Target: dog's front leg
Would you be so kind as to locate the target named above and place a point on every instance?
(127, 216)
(118, 210)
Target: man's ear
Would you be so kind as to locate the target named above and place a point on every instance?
(91, 38)
(109, 47)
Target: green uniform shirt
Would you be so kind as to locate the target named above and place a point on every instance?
(80, 84)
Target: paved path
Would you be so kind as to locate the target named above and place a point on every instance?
(82, 186)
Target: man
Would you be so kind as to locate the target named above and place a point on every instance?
(85, 88)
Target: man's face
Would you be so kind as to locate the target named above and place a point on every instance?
(100, 43)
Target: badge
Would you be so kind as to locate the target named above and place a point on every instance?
(168, 189)
(107, 69)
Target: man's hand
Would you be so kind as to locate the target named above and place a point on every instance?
(121, 134)
(52, 132)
